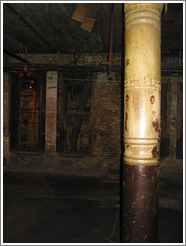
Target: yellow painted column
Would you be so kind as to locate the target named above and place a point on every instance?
(142, 120)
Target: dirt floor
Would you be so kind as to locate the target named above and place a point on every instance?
(70, 205)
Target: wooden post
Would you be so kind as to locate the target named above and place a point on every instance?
(51, 112)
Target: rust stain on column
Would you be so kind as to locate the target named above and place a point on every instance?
(142, 120)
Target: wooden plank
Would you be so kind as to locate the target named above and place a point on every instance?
(78, 113)
(88, 24)
(179, 152)
(165, 80)
(80, 12)
(77, 124)
(173, 122)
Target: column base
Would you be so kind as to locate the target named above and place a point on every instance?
(140, 203)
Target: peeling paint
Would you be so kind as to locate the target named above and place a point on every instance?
(156, 125)
(153, 113)
(155, 151)
(127, 98)
(152, 99)
(126, 117)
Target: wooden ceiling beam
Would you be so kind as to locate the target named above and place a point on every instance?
(15, 43)
(9, 53)
(18, 15)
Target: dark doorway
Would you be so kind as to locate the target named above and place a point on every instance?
(26, 115)
(74, 112)
(28, 125)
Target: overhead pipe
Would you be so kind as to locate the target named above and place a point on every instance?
(9, 53)
(142, 94)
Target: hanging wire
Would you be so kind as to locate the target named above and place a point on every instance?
(79, 81)
(96, 80)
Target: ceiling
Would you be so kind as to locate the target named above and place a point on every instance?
(49, 28)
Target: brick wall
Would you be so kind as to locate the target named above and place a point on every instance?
(172, 117)
(6, 115)
(106, 104)
(51, 112)
(173, 122)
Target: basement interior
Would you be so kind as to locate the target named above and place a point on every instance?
(93, 122)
